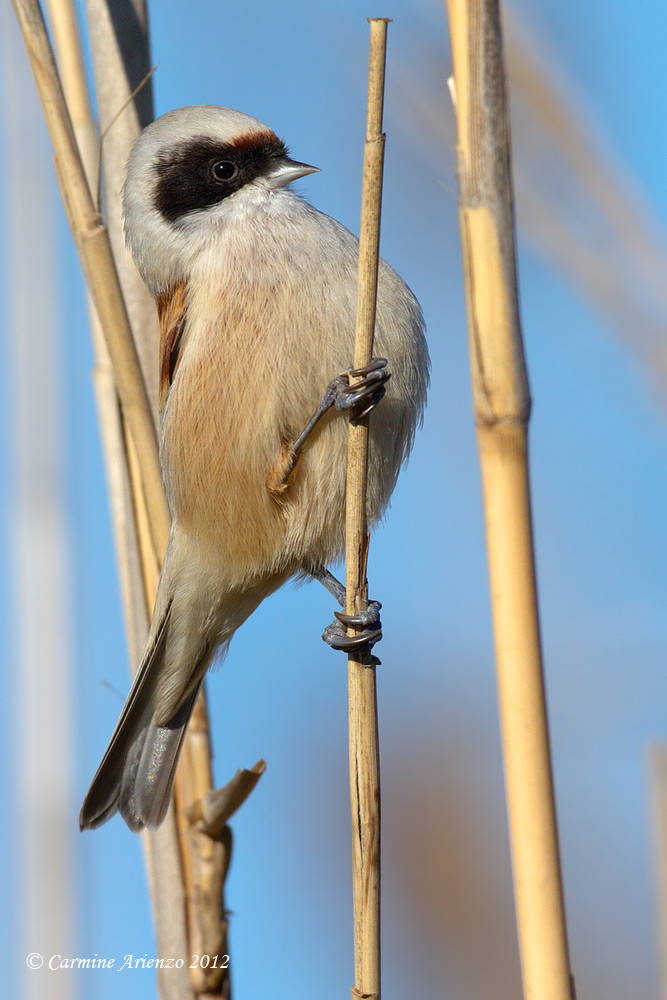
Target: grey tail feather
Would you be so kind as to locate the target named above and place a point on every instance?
(137, 771)
(150, 766)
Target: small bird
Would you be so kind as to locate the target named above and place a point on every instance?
(256, 296)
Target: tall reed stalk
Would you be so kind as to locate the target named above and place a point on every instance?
(362, 694)
(188, 858)
(657, 764)
(97, 261)
(501, 403)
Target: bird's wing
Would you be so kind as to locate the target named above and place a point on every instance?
(172, 312)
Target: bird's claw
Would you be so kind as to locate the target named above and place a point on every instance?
(361, 397)
(335, 635)
(370, 616)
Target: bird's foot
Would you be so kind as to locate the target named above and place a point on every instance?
(335, 635)
(358, 400)
(363, 396)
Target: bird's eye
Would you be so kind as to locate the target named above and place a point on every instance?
(224, 170)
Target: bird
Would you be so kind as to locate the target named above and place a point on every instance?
(256, 292)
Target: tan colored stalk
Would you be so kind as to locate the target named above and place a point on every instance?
(121, 65)
(189, 917)
(121, 59)
(658, 785)
(138, 566)
(362, 695)
(502, 405)
(66, 40)
(97, 261)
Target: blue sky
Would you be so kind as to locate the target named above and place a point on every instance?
(599, 465)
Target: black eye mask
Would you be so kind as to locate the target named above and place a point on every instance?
(203, 172)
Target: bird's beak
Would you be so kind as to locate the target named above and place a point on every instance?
(287, 170)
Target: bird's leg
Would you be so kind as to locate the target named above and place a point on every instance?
(335, 635)
(358, 400)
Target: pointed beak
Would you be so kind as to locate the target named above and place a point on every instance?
(287, 170)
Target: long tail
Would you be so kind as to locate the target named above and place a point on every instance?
(137, 771)
(196, 615)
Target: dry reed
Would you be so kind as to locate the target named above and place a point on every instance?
(362, 695)
(187, 859)
(97, 261)
(502, 406)
(657, 765)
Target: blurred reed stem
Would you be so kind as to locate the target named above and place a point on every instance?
(657, 764)
(501, 403)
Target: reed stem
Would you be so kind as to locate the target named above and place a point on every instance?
(501, 402)
(94, 250)
(362, 695)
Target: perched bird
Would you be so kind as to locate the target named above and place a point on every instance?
(256, 295)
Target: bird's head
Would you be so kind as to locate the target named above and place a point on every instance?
(190, 173)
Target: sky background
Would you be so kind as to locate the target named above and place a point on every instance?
(599, 475)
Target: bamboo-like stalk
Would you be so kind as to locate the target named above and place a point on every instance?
(97, 261)
(657, 762)
(182, 903)
(135, 555)
(66, 41)
(121, 64)
(362, 695)
(502, 406)
(187, 862)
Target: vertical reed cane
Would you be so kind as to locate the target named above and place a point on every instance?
(502, 406)
(362, 695)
